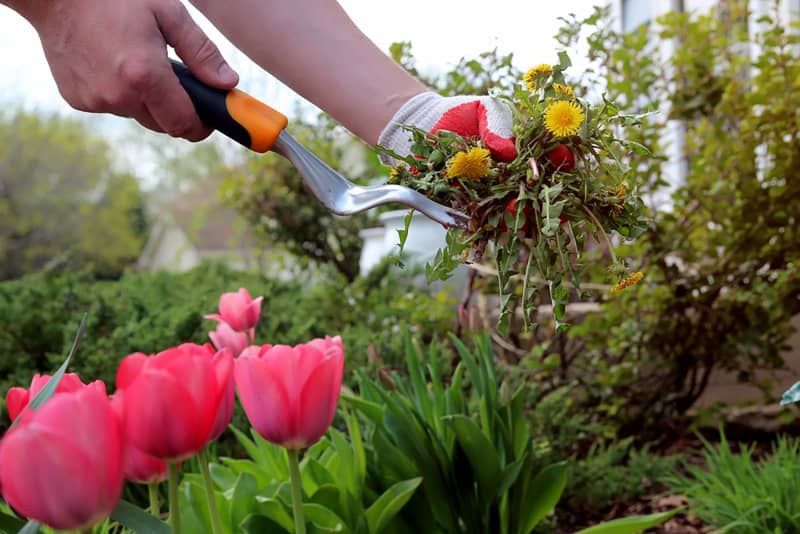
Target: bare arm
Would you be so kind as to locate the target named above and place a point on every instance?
(316, 49)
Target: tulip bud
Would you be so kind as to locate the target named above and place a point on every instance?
(226, 337)
(239, 310)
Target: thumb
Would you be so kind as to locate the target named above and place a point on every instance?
(495, 121)
(194, 47)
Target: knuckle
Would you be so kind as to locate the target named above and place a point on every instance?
(173, 13)
(207, 51)
(137, 73)
(93, 102)
(181, 127)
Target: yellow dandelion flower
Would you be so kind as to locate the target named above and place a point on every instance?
(539, 71)
(621, 192)
(632, 279)
(563, 90)
(563, 118)
(471, 165)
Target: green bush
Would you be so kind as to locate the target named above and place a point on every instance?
(736, 493)
(148, 312)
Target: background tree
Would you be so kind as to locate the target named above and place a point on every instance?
(61, 198)
(722, 261)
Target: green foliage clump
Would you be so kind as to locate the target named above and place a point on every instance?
(148, 312)
(429, 450)
(63, 198)
(737, 493)
(602, 470)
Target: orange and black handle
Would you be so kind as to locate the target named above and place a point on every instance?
(236, 114)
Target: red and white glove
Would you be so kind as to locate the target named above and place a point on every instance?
(468, 116)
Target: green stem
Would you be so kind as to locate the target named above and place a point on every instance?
(297, 491)
(152, 490)
(216, 523)
(602, 232)
(174, 507)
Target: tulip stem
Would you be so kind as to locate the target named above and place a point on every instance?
(152, 490)
(216, 523)
(174, 507)
(297, 491)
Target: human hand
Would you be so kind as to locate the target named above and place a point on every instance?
(109, 56)
(485, 117)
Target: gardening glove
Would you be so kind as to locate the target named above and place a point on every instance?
(485, 117)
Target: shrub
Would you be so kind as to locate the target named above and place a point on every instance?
(148, 312)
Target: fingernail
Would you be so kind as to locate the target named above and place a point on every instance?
(226, 74)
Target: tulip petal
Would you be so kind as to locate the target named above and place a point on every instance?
(223, 369)
(16, 399)
(292, 367)
(318, 399)
(264, 397)
(129, 368)
(163, 418)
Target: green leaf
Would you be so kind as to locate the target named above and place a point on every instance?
(357, 443)
(372, 410)
(314, 475)
(50, 388)
(631, 525)
(385, 507)
(258, 524)
(136, 519)
(791, 395)
(542, 495)
(31, 527)
(10, 523)
(275, 511)
(242, 498)
(323, 518)
(402, 234)
(563, 60)
(480, 452)
(327, 495)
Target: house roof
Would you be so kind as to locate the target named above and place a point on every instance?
(208, 224)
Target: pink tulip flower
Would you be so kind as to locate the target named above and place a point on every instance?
(136, 465)
(223, 365)
(226, 337)
(239, 310)
(290, 393)
(140, 467)
(61, 464)
(173, 399)
(18, 398)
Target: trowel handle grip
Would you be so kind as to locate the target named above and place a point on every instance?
(236, 114)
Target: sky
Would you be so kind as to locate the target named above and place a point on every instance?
(441, 32)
